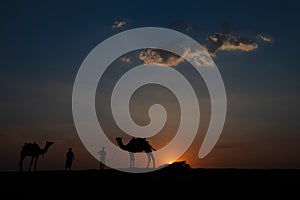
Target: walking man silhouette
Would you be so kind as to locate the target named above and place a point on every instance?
(69, 159)
(102, 154)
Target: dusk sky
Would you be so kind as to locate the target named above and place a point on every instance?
(253, 43)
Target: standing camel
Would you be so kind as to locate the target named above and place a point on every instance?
(34, 151)
(137, 145)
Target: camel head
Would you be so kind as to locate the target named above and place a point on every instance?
(120, 143)
(47, 146)
(49, 143)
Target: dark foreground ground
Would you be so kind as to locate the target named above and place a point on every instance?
(160, 184)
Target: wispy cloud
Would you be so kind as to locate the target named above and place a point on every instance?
(226, 42)
(265, 38)
(118, 24)
(230, 38)
(160, 57)
(126, 59)
(198, 57)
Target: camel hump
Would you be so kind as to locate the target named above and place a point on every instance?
(30, 146)
(138, 141)
(140, 144)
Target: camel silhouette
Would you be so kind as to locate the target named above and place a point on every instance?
(137, 145)
(34, 151)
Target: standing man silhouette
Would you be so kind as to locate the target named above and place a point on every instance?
(102, 154)
(69, 159)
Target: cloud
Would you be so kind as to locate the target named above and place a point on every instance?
(126, 59)
(160, 57)
(199, 57)
(227, 42)
(118, 24)
(265, 38)
(228, 38)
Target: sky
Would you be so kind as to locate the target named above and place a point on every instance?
(253, 43)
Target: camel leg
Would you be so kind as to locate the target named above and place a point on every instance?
(131, 155)
(130, 160)
(149, 159)
(20, 166)
(30, 165)
(153, 159)
(133, 160)
(35, 162)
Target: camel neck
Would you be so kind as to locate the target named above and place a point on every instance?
(121, 145)
(45, 149)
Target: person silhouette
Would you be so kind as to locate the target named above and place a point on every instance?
(102, 154)
(69, 159)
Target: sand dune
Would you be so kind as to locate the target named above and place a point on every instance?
(165, 182)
